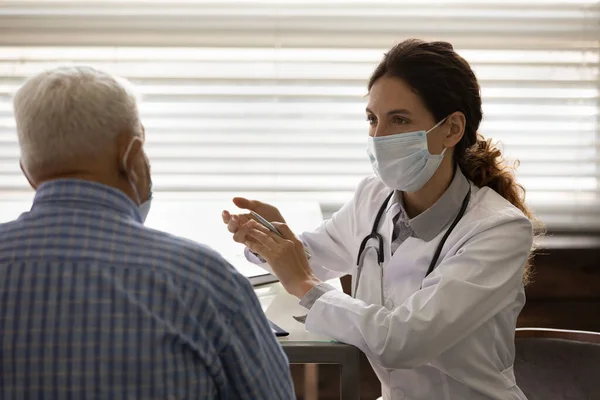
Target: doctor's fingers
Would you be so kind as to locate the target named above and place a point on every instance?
(279, 248)
(241, 230)
(267, 244)
(258, 248)
(285, 230)
(225, 216)
(240, 233)
(261, 232)
(287, 233)
(236, 221)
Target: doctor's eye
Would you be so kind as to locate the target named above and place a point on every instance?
(371, 120)
(400, 121)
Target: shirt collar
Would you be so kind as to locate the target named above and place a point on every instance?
(432, 221)
(82, 194)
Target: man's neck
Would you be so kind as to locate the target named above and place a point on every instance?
(104, 179)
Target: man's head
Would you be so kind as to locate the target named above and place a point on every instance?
(77, 122)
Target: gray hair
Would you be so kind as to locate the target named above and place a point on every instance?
(71, 113)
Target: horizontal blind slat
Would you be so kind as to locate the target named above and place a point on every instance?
(268, 97)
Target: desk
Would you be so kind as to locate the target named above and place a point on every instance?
(303, 347)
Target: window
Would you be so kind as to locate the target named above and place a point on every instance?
(266, 98)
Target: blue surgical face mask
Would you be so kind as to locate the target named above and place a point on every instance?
(403, 161)
(144, 207)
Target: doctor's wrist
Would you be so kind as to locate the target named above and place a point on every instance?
(302, 288)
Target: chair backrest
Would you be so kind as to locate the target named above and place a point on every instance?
(558, 364)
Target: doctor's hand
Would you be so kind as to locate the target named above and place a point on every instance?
(285, 255)
(235, 221)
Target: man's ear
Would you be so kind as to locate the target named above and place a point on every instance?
(31, 183)
(457, 123)
(129, 149)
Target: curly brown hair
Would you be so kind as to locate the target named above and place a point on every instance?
(446, 84)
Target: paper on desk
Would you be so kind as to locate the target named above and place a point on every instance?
(281, 311)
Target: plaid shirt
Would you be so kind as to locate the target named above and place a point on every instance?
(93, 305)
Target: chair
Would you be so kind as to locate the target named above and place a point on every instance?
(558, 364)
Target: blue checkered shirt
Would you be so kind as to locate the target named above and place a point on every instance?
(93, 305)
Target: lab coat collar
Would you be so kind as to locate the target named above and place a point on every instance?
(427, 225)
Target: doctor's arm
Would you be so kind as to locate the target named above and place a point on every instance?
(330, 245)
(462, 293)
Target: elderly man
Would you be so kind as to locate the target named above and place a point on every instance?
(93, 305)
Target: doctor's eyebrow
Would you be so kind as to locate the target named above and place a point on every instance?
(391, 112)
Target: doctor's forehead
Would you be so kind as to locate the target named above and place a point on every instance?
(390, 93)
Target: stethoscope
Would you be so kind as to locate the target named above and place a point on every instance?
(379, 248)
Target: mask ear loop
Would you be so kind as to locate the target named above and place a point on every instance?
(125, 157)
(436, 126)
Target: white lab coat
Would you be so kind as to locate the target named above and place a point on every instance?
(454, 338)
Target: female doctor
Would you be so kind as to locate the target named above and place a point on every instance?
(438, 242)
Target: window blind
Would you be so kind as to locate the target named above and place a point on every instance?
(266, 98)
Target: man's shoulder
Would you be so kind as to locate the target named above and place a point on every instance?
(203, 272)
(173, 245)
(122, 244)
(198, 261)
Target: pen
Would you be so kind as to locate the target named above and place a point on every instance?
(272, 228)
